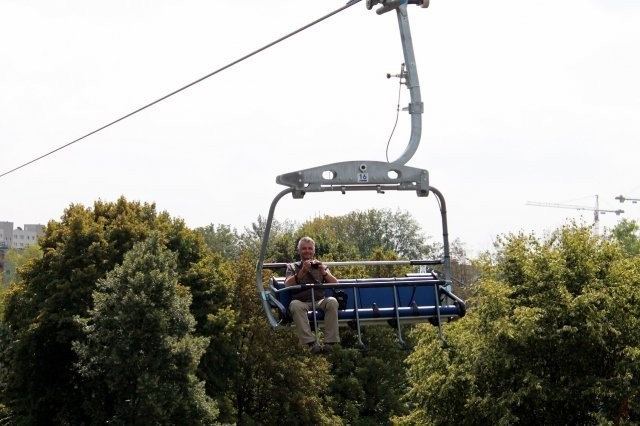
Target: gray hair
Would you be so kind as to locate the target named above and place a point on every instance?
(306, 240)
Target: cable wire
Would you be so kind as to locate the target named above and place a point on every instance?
(386, 153)
(193, 83)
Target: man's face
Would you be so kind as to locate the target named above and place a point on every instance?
(306, 251)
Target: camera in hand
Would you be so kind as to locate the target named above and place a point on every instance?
(315, 264)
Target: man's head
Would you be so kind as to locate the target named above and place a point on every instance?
(306, 248)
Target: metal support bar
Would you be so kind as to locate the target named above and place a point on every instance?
(263, 251)
(446, 256)
(355, 304)
(315, 312)
(396, 304)
(438, 317)
(445, 235)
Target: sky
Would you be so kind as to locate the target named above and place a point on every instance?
(523, 101)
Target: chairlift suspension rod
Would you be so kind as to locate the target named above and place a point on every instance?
(416, 107)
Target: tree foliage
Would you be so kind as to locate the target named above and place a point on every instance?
(108, 268)
(43, 385)
(140, 356)
(626, 233)
(15, 259)
(252, 237)
(553, 338)
(356, 235)
(221, 239)
(378, 229)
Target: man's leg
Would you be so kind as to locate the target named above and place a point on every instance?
(330, 307)
(303, 330)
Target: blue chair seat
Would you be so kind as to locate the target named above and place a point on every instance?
(381, 300)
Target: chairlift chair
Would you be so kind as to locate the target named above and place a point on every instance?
(415, 298)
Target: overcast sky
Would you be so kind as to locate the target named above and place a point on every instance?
(524, 101)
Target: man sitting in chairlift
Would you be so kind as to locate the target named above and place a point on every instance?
(312, 271)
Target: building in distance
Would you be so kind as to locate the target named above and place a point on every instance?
(19, 237)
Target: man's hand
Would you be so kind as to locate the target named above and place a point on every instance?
(306, 265)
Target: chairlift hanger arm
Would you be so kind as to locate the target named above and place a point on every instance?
(416, 107)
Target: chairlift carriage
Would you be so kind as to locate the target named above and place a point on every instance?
(415, 298)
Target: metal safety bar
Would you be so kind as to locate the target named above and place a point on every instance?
(280, 265)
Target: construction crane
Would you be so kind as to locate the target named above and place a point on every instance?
(597, 211)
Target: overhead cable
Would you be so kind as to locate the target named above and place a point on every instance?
(229, 65)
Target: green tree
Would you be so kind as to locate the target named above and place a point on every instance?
(42, 385)
(381, 228)
(251, 239)
(553, 337)
(221, 239)
(5, 412)
(140, 354)
(14, 259)
(368, 383)
(211, 282)
(355, 235)
(463, 272)
(626, 233)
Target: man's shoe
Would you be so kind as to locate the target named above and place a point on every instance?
(328, 347)
(314, 348)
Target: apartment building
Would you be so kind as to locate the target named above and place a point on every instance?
(19, 237)
(6, 234)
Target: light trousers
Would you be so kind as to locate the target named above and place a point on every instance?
(299, 312)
